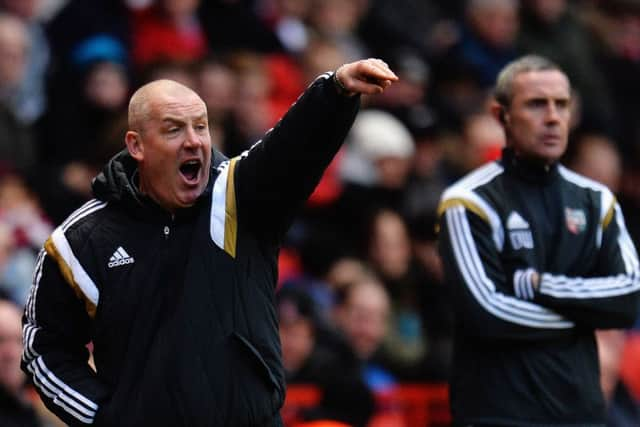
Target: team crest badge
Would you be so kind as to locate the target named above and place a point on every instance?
(576, 220)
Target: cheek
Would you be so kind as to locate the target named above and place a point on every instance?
(206, 143)
(524, 130)
(163, 164)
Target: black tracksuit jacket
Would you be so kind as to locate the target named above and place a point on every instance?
(180, 309)
(526, 357)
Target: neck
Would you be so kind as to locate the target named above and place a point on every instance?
(143, 188)
(529, 168)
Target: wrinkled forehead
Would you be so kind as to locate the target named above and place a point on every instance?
(179, 103)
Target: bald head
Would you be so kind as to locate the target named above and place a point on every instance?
(145, 97)
(169, 138)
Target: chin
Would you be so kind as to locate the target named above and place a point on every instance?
(188, 203)
(552, 158)
(548, 156)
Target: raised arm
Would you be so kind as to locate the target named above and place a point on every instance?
(274, 177)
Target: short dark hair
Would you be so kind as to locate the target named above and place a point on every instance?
(503, 91)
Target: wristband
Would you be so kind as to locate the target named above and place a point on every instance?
(339, 86)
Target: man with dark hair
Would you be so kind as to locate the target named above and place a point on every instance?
(538, 257)
(171, 270)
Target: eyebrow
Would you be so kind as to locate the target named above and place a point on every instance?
(546, 98)
(174, 119)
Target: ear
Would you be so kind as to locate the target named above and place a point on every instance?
(499, 113)
(134, 145)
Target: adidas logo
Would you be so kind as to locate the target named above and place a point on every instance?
(516, 222)
(120, 257)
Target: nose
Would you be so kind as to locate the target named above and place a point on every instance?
(192, 139)
(552, 115)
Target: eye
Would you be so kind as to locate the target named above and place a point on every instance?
(537, 103)
(201, 127)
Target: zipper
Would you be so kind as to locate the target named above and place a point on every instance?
(167, 230)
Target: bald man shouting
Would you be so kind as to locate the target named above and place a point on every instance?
(170, 271)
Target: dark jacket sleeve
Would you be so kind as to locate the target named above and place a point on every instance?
(55, 334)
(278, 174)
(484, 305)
(610, 299)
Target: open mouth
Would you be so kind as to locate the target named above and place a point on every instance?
(190, 170)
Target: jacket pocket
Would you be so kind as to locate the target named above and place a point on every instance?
(259, 359)
(256, 370)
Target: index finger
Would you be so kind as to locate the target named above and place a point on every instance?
(378, 70)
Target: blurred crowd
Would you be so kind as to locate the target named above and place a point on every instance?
(362, 303)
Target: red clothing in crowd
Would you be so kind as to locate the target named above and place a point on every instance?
(157, 38)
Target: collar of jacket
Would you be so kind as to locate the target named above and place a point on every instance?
(528, 170)
(117, 184)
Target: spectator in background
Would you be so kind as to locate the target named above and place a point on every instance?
(23, 228)
(238, 26)
(288, 21)
(101, 86)
(418, 25)
(409, 100)
(15, 408)
(74, 139)
(623, 408)
(320, 54)
(457, 92)
(482, 142)
(616, 27)
(488, 40)
(418, 326)
(314, 354)
(297, 322)
(217, 85)
(30, 99)
(428, 176)
(76, 22)
(345, 271)
(389, 254)
(375, 169)
(478, 141)
(251, 114)
(311, 352)
(178, 71)
(597, 157)
(616, 24)
(537, 257)
(338, 21)
(437, 312)
(17, 147)
(362, 315)
(168, 30)
(551, 28)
